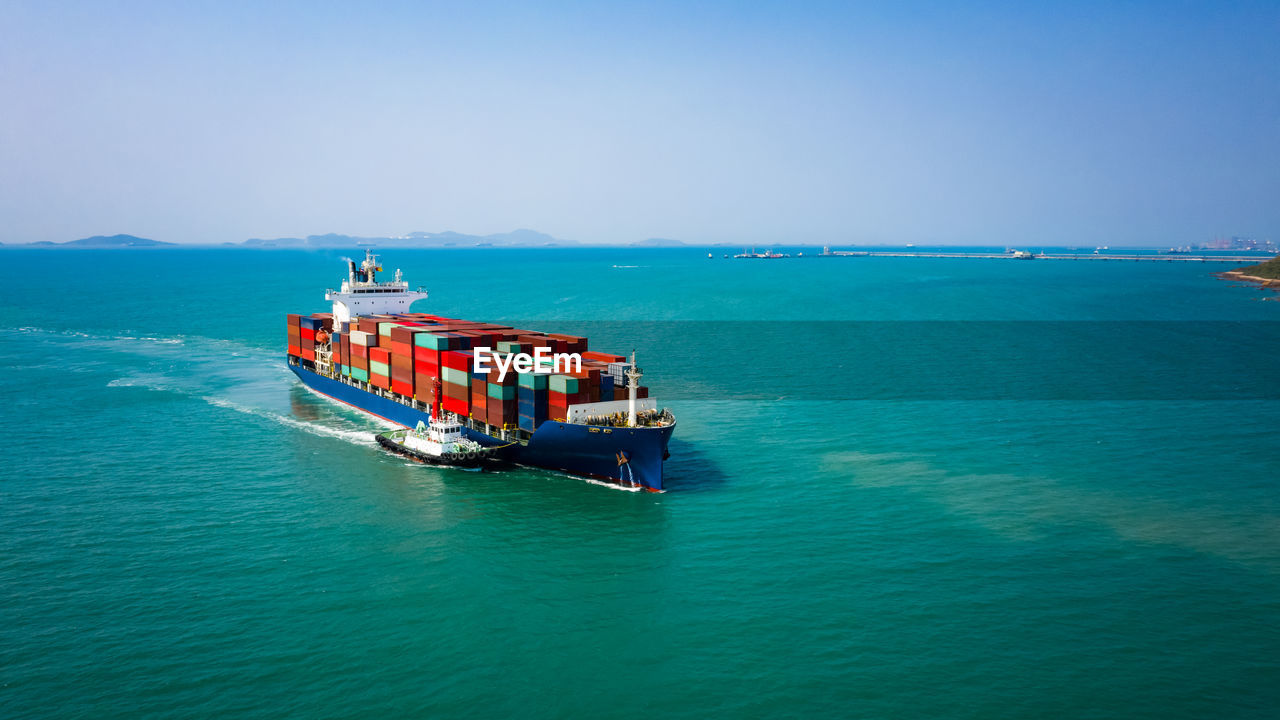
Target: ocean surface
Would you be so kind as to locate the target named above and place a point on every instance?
(899, 488)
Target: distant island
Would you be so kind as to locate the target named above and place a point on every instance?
(416, 239)
(521, 238)
(106, 241)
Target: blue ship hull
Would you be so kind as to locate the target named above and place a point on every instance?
(584, 450)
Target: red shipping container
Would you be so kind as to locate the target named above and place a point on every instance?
(307, 354)
(404, 375)
(619, 392)
(501, 412)
(536, 341)
(379, 354)
(359, 362)
(295, 351)
(404, 332)
(359, 351)
(400, 348)
(602, 357)
(402, 387)
(455, 405)
(457, 392)
(478, 412)
(456, 359)
(307, 333)
(381, 381)
(403, 363)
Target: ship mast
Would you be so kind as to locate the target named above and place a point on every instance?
(633, 379)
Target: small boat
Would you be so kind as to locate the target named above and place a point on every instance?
(440, 443)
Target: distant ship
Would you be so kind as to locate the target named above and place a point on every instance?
(766, 255)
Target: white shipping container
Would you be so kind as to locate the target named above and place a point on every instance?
(618, 371)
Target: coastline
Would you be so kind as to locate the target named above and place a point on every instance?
(1262, 283)
(1239, 276)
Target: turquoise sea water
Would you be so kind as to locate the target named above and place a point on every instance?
(186, 532)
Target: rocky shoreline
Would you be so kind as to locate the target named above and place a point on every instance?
(1261, 282)
(1239, 275)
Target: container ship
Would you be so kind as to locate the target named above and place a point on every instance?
(591, 419)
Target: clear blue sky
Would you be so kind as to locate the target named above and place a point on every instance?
(1018, 123)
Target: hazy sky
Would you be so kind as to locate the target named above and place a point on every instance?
(751, 122)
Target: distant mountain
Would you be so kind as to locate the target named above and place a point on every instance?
(524, 238)
(115, 241)
(419, 239)
(328, 240)
(658, 242)
(99, 241)
(416, 239)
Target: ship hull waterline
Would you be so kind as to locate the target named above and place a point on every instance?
(583, 450)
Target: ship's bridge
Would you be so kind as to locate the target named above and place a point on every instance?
(362, 294)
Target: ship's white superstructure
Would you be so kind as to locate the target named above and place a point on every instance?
(362, 294)
(439, 438)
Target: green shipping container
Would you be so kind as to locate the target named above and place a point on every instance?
(537, 381)
(430, 340)
(566, 384)
(361, 375)
(455, 376)
(381, 368)
(509, 346)
(502, 392)
(384, 328)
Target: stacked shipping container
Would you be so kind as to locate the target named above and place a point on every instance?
(417, 355)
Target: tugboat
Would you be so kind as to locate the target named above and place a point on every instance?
(440, 443)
